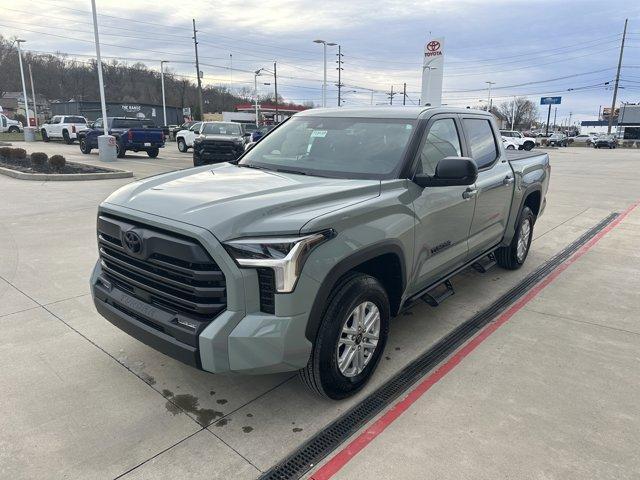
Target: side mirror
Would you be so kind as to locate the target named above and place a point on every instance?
(450, 172)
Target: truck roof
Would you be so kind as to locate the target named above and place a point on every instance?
(407, 112)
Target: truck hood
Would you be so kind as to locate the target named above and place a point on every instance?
(233, 202)
(217, 136)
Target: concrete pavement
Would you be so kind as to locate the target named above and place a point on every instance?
(87, 401)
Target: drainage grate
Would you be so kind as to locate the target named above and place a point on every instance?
(324, 442)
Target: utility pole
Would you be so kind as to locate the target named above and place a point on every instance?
(230, 71)
(615, 88)
(195, 44)
(404, 93)
(391, 96)
(339, 68)
(275, 88)
(546, 132)
(570, 115)
(33, 96)
(164, 102)
(555, 115)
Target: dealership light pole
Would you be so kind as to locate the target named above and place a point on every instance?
(255, 92)
(489, 104)
(106, 143)
(27, 133)
(324, 82)
(615, 88)
(164, 102)
(33, 95)
(513, 112)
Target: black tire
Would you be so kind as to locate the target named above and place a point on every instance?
(120, 150)
(67, 139)
(84, 148)
(153, 152)
(507, 257)
(322, 374)
(14, 129)
(510, 147)
(182, 145)
(528, 146)
(45, 137)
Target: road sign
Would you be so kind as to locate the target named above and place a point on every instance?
(550, 100)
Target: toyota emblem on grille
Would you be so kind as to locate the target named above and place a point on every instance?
(132, 241)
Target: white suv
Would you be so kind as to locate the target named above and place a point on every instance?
(185, 138)
(524, 143)
(65, 127)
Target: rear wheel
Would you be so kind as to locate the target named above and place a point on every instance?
(513, 256)
(528, 146)
(153, 153)
(182, 145)
(67, 139)
(510, 147)
(351, 338)
(14, 130)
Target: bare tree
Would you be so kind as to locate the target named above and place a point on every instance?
(525, 111)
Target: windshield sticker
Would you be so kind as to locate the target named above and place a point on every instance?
(318, 134)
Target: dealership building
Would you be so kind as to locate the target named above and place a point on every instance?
(92, 110)
(626, 125)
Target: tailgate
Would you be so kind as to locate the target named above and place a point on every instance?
(144, 135)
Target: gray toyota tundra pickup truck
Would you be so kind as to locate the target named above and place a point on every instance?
(298, 255)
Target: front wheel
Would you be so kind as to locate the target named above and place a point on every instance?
(14, 130)
(182, 145)
(84, 146)
(153, 153)
(513, 256)
(120, 150)
(510, 147)
(350, 339)
(528, 146)
(45, 137)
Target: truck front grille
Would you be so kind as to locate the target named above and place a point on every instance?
(220, 149)
(172, 272)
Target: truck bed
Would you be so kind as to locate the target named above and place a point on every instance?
(513, 155)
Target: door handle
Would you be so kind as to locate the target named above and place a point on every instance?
(469, 193)
(508, 180)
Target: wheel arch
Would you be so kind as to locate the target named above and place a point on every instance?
(384, 261)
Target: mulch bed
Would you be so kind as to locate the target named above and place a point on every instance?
(25, 166)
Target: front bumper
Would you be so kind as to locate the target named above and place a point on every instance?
(241, 339)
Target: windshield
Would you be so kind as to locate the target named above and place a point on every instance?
(221, 129)
(334, 147)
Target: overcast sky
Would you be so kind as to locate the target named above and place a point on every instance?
(517, 45)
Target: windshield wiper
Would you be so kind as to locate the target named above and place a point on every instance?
(295, 172)
(248, 165)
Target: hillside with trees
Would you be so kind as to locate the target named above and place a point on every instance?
(59, 78)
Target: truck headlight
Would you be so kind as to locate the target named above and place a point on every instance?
(284, 255)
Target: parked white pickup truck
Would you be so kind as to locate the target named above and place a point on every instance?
(65, 127)
(10, 126)
(524, 143)
(185, 138)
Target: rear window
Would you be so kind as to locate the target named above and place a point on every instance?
(481, 141)
(131, 123)
(75, 120)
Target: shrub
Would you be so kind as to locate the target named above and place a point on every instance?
(39, 160)
(57, 163)
(18, 154)
(5, 152)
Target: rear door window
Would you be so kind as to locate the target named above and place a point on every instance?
(481, 141)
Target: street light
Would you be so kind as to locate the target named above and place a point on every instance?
(489, 104)
(164, 102)
(255, 91)
(28, 134)
(324, 82)
(106, 143)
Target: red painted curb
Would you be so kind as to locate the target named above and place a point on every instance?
(340, 459)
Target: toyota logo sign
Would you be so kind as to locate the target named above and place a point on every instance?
(132, 241)
(433, 46)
